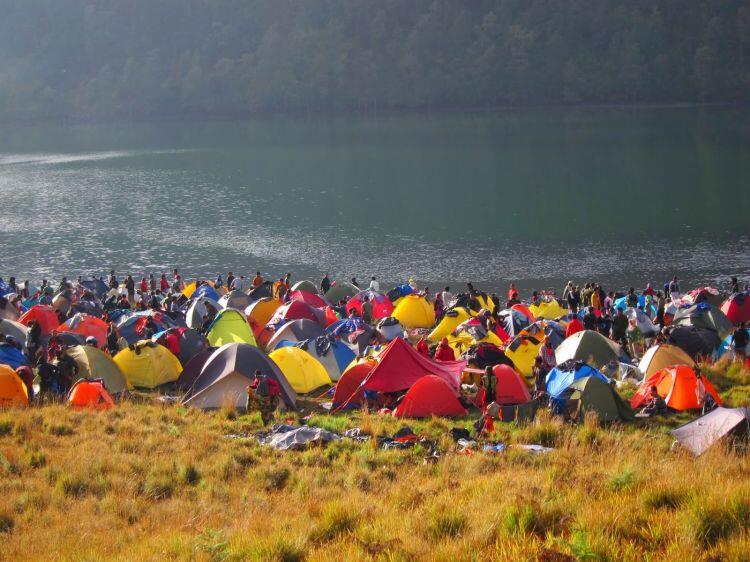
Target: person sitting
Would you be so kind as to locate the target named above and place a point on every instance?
(656, 405)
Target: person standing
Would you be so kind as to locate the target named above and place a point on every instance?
(674, 289)
(489, 384)
(230, 280)
(620, 327)
(152, 282)
(130, 288)
(740, 340)
(257, 280)
(547, 354)
(374, 285)
(263, 395)
(367, 310)
(325, 284)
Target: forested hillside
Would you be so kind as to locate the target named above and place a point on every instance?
(146, 58)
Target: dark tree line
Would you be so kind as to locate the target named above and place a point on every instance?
(141, 58)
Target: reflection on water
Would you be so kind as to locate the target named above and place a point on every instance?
(533, 196)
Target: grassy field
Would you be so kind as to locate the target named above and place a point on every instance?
(161, 482)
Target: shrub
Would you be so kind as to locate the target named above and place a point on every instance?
(663, 499)
(6, 523)
(623, 480)
(73, 486)
(335, 521)
(443, 523)
(158, 486)
(58, 429)
(6, 427)
(190, 475)
(275, 479)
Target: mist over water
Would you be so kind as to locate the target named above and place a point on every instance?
(536, 196)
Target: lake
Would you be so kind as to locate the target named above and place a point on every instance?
(534, 196)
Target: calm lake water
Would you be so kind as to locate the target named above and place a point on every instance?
(536, 196)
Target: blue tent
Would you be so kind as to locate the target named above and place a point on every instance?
(343, 355)
(565, 374)
(205, 291)
(12, 356)
(345, 327)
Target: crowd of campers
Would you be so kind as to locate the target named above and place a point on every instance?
(253, 343)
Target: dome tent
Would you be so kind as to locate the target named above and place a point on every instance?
(595, 395)
(45, 315)
(197, 310)
(225, 377)
(414, 311)
(13, 392)
(260, 312)
(229, 326)
(659, 357)
(293, 331)
(737, 308)
(430, 396)
(341, 290)
(303, 372)
(703, 315)
(450, 321)
(86, 393)
(381, 304)
(305, 285)
(87, 326)
(236, 300)
(561, 377)
(349, 392)
(680, 387)
(95, 364)
(148, 365)
(589, 346)
(510, 387)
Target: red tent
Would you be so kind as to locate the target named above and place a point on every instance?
(308, 298)
(400, 366)
(382, 307)
(87, 326)
(430, 396)
(737, 308)
(510, 387)
(296, 310)
(45, 315)
(90, 394)
(349, 392)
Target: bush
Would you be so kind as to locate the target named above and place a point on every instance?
(335, 521)
(623, 480)
(6, 427)
(158, 487)
(190, 475)
(58, 429)
(73, 486)
(443, 523)
(663, 499)
(275, 479)
(6, 523)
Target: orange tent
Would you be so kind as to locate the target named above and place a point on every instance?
(260, 312)
(510, 388)
(12, 390)
(680, 387)
(86, 325)
(349, 392)
(430, 396)
(88, 393)
(46, 316)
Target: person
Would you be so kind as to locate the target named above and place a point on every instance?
(163, 283)
(27, 376)
(91, 341)
(635, 339)
(374, 285)
(567, 290)
(439, 307)
(590, 319)
(68, 371)
(280, 290)
(263, 395)
(596, 299)
(609, 300)
(489, 384)
(574, 326)
(112, 339)
(112, 281)
(632, 298)
(143, 287)
(674, 289)
(366, 310)
(511, 290)
(230, 280)
(513, 300)
(586, 294)
(354, 282)
(656, 405)
(547, 354)
(444, 351)
(539, 371)
(605, 323)
(219, 281)
(574, 300)
(446, 296)
(258, 279)
(151, 283)
(735, 286)
(661, 305)
(238, 284)
(423, 346)
(740, 339)
(620, 327)
(649, 291)
(325, 284)
(33, 341)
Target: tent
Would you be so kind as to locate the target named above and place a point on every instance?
(264, 290)
(523, 309)
(7, 310)
(699, 435)
(400, 366)
(97, 287)
(197, 310)
(622, 302)
(13, 392)
(485, 355)
(414, 311)
(133, 326)
(185, 343)
(293, 331)
(305, 285)
(260, 312)
(14, 329)
(522, 351)
(381, 304)
(737, 308)
(11, 355)
(589, 346)
(93, 363)
(513, 321)
(470, 333)
(449, 322)
(389, 329)
(342, 290)
(595, 395)
(510, 387)
(309, 298)
(349, 391)
(148, 365)
(45, 315)
(696, 342)
(334, 355)
(236, 300)
(703, 315)
(87, 393)
(548, 310)
(544, 330)
(193, 368)
(303, 372)
(225, 377)
(206, 291)
(87, 326)
(561, 377)
(229, 326)
(679, 386)
(642, 321)
(710, 295)
(661, 356)
(296, 310)
(430, 396)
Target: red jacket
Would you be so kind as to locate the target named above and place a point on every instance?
(574, 327)
(444, 353)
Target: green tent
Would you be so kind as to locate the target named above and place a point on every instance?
(341, 290)
(595, 395)
(305, 285)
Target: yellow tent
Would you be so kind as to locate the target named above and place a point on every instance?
(230, 326)
(522, 351)
(13, 392)
(662, 356)
(93, 363)
(189, 290)
(548, 310)
(450, 322)
(304, 372)
(486, 302)
(148, 365)
(463, 341)
(414, 311)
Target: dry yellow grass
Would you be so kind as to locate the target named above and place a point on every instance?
(149, 482)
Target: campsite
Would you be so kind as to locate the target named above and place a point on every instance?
(384, 441)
